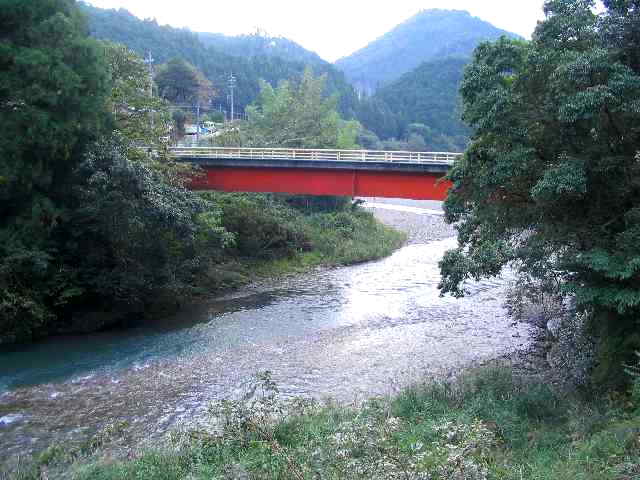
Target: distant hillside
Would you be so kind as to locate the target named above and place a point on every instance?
(260, 44)
(221, 56)
(426, 95)
(429, 35)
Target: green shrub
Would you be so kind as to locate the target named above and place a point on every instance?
(134, 233)
(263, 227)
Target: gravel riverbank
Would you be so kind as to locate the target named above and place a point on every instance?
(420, 227)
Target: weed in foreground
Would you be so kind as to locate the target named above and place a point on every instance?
(487, 425)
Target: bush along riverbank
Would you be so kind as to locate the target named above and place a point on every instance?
(487, 424)
(274, 235)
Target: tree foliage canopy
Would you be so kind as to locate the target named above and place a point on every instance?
(551, 182)
(180, 82)
(140, 117)
(88, 221)
(52, 94)
(299, 115)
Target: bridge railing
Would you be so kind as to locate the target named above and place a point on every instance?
(316, 154)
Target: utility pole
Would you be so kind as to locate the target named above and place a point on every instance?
(149, 61)
(232, 85)
(198, 123)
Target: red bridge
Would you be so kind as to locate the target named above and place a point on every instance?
(354, 173)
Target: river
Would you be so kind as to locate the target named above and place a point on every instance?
(346, 333)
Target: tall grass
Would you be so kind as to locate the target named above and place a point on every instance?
(487, 425)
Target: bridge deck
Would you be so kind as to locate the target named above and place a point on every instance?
(329, 155)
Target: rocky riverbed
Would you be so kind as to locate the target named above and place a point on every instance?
(420, 227)
(423, 222)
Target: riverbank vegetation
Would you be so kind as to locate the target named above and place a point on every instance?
(280, 234)
(97, 225)
(486, 425)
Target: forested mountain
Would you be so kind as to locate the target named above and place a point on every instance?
(427, 95)
(223, 56)
(410, 79)
(429, 35)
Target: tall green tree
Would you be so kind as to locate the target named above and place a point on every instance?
(139, 114)
(141, 118)
(551, 181)
(135, 234)
(53, 90)
(180, 82)
(299, 115)
(53, 86)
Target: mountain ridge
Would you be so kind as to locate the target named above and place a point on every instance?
(260, 43)
(424, 94)
(428, 35)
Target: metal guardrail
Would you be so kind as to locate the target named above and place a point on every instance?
(319, 154)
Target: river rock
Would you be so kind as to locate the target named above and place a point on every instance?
(553, 326)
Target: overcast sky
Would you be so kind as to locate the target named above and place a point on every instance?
(331, 28)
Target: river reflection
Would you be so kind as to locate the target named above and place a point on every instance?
(346, 333)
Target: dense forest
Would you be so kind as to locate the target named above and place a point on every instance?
(427, 96)
(261, 44)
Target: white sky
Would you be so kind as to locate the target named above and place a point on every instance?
(331, 28)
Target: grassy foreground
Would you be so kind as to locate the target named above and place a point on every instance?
(487, 425)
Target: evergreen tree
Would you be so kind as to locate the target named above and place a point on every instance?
(53, 86)
(53, 89)
(551, 182)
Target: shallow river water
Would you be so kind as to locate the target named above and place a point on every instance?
(346, 333)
